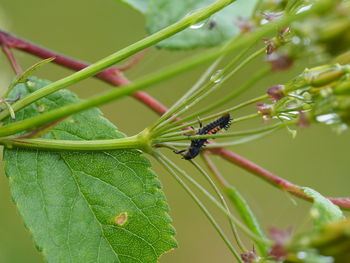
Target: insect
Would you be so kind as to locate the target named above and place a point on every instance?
(195, 148)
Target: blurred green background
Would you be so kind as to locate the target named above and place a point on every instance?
(92, 29)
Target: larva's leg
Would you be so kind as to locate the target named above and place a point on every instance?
(180, 151)
(200, 122)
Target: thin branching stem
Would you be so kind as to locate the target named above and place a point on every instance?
(203, 85)
(175, 126)
(239, 202)
(240, 141)
(199, 83)
(222, 135)
(224, 203)
(243, 140)
(220, 78)
(235, 92)
(214, 201)
(173, 170)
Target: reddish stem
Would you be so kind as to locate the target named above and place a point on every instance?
(132, 62)
(115, 77)
(6, 48)
(270, 177)
(111, 75)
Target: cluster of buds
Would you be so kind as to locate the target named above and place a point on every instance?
(320, 94)
(317, 39)
(330, 244)
(324, 36)
(330, 90)
(284, 105)
(250, 257)
(277, 54)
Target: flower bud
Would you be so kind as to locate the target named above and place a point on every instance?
(276, 92)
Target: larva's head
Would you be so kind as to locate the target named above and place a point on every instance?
(191, 153)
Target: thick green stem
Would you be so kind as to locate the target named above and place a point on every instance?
(122, 54)
(141, 141)
(153, 79)
(133, 142)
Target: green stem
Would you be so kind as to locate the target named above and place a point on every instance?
(133, 142)
(93, 69)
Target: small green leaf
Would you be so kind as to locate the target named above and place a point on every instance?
(247, 215)
(323, 210)
(139, 5)
(214, 31)
(12, 113)
(24, 76)
(87, 206)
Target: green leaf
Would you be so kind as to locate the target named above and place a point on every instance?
(139, 5)
(214, 31)
(247, 215)
(323, 210)
(87, 206)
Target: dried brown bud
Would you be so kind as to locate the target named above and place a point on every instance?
(280, 239)
(249, 257)
(303, 122)
(264, 109)
(244, 24)
(270, 46)
(276, 92)
(279, 62)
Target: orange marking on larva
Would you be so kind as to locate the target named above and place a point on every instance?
(215, 129)
(196, 144)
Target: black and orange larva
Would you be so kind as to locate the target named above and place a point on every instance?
(196, 144)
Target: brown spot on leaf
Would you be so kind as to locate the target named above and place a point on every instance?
(41, 107)
(121, 219)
